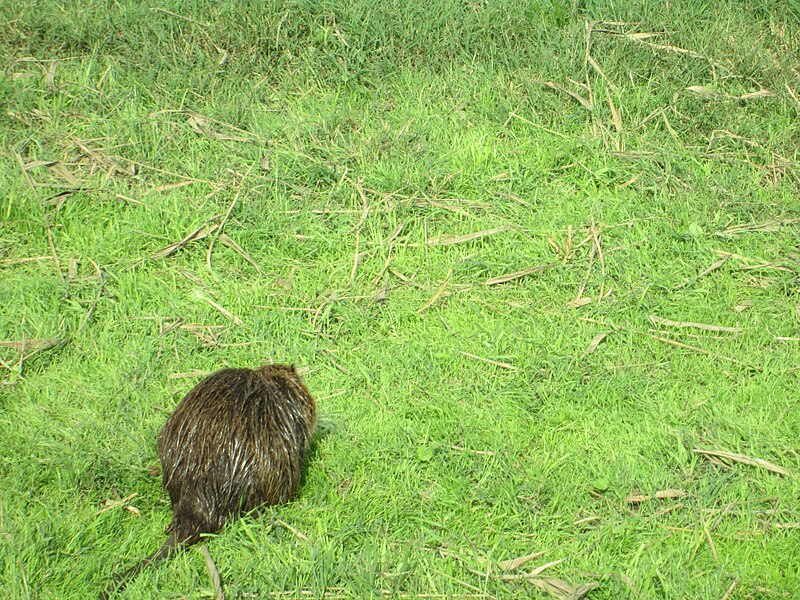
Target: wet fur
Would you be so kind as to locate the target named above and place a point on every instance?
(235, 442)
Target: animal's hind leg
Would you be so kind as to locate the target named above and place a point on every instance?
(193, 516)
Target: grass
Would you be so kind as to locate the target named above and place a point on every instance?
(349, 150)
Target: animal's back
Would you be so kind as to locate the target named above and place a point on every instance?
(235, 442)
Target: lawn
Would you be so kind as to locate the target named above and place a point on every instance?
(538, 262)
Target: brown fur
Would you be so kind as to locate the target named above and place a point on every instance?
(235, 442)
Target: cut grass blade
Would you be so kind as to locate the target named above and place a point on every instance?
(558, 588)
(198, 234)
(439, 293)
(533, 574)
(446, 240)
(745, 460)
(596, 341)
(656, 320)
(515, 563)
(497, 363)
(225, 312)
(660, 495)
(213, 574)
(39, 344)
(518, 274)
(581, 100)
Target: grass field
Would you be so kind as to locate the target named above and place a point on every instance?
(532, 257)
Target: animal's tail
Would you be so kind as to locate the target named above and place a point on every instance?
(119, 581)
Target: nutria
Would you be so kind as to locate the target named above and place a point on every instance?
(235, 442)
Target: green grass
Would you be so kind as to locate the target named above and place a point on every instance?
(326, 127)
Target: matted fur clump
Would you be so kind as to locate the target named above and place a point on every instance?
(237, 441)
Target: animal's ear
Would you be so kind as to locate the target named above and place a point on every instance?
(292, 367)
